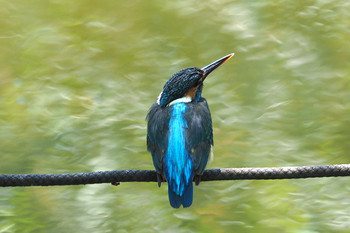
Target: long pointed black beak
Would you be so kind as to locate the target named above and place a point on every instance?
(211, 67)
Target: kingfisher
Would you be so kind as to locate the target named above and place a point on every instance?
(179, 132)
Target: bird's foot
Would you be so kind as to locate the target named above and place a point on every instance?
(160, 179)
(197, 179)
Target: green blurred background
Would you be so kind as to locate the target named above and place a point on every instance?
(78, 77)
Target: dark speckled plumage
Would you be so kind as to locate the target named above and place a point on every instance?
(177, 86)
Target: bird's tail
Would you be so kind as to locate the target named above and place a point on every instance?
(185, 200)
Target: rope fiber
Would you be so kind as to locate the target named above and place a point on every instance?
(117, 176)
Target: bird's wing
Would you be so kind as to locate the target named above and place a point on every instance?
(199, 133)
(157, 134)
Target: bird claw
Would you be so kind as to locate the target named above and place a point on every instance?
(197, 179)
(160, 179)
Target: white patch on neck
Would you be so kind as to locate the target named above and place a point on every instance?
(158, 99)
(181, 100)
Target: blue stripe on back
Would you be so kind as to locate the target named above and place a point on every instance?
(177, 161)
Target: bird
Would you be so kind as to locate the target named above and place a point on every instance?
(179, 132)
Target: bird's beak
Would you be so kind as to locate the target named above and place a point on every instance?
(211, 67)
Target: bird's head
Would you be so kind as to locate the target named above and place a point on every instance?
(187, 83)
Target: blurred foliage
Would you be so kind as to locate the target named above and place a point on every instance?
(77, 79)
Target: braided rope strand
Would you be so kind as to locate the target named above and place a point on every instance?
(117, 176)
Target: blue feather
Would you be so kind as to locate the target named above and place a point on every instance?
(178, 164)
(188, 196)
(186, 199)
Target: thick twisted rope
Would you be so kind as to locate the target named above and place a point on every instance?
(117, 176)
